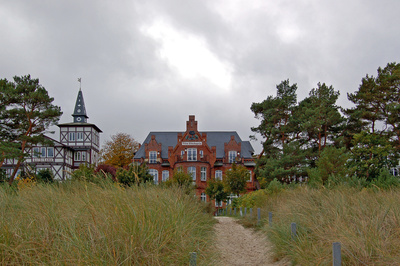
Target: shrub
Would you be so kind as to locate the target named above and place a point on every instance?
(134, 174)
(45, 176)
(107, 170)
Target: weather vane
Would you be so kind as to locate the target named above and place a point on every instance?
(80, 83)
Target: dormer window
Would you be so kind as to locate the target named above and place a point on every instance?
(232, 156)
(152, 157)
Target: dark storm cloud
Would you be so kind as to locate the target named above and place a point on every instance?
(129, 87)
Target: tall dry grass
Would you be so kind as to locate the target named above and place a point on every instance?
(366, 223)
(85, 224)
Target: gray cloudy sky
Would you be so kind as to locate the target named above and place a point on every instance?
(147, 65)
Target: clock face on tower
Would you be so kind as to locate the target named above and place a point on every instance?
(78, 119)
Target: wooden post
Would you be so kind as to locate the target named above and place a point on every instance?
(234, 212)
(258, 215)
(245, 211)
(251, 211)
(193, 257)
(230, 211)
(337, 254)
(293, 227)
(241, 213)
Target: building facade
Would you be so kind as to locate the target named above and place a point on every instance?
(204, 155)
(79, 144)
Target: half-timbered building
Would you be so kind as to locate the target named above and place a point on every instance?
(79, 144)
(205, 155)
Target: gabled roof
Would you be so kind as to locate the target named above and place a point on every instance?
(214, 138)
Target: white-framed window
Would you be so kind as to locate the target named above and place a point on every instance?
(230, 198)
(50, 152)
(154, 173)
(192, 172)
(201, 154)
(192, 154)
(77, 156)
(71, 136)
(218, 203)
(232, 156)
(249, 180)
(43, 153)
(152, 156)
(203, 197)
(218, 175)
(36, 152)
(79, 136)
(165, 175)
(203, 174)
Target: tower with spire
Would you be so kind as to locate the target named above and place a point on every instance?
(82, 137)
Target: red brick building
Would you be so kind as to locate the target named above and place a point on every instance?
(205, 155)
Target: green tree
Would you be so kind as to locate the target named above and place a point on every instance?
(318, 117)
(370, 154)
(280, 146)
(9, 149)
(236, 178)
(331, 163)
(215, 190)
(31, 111)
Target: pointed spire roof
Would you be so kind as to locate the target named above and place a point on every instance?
(79, 114)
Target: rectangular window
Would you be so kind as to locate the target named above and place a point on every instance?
(232, 156)
(218, 203)
(50, 152)
(43, 153)
(71, 136)
(201, 154)
(152, 157)
(79, 136)
(203, 197)
(154, 173)
(192, 171)
(249, 180)
(192, 154)
(77, 156)
(218, 175)
(204, 174)
(165, 175)
(36, 152)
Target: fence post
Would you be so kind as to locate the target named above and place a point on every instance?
(293, 227)
(251, 211)
(337, 254)
(230, 211)
(270, 218)
(234, 212)
(245, 211)
(258, 215)
(241, 213)
(193, 257)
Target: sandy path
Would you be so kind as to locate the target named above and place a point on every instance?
(240, 246)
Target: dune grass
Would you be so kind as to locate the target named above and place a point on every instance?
(366, 222)
(78, 223)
